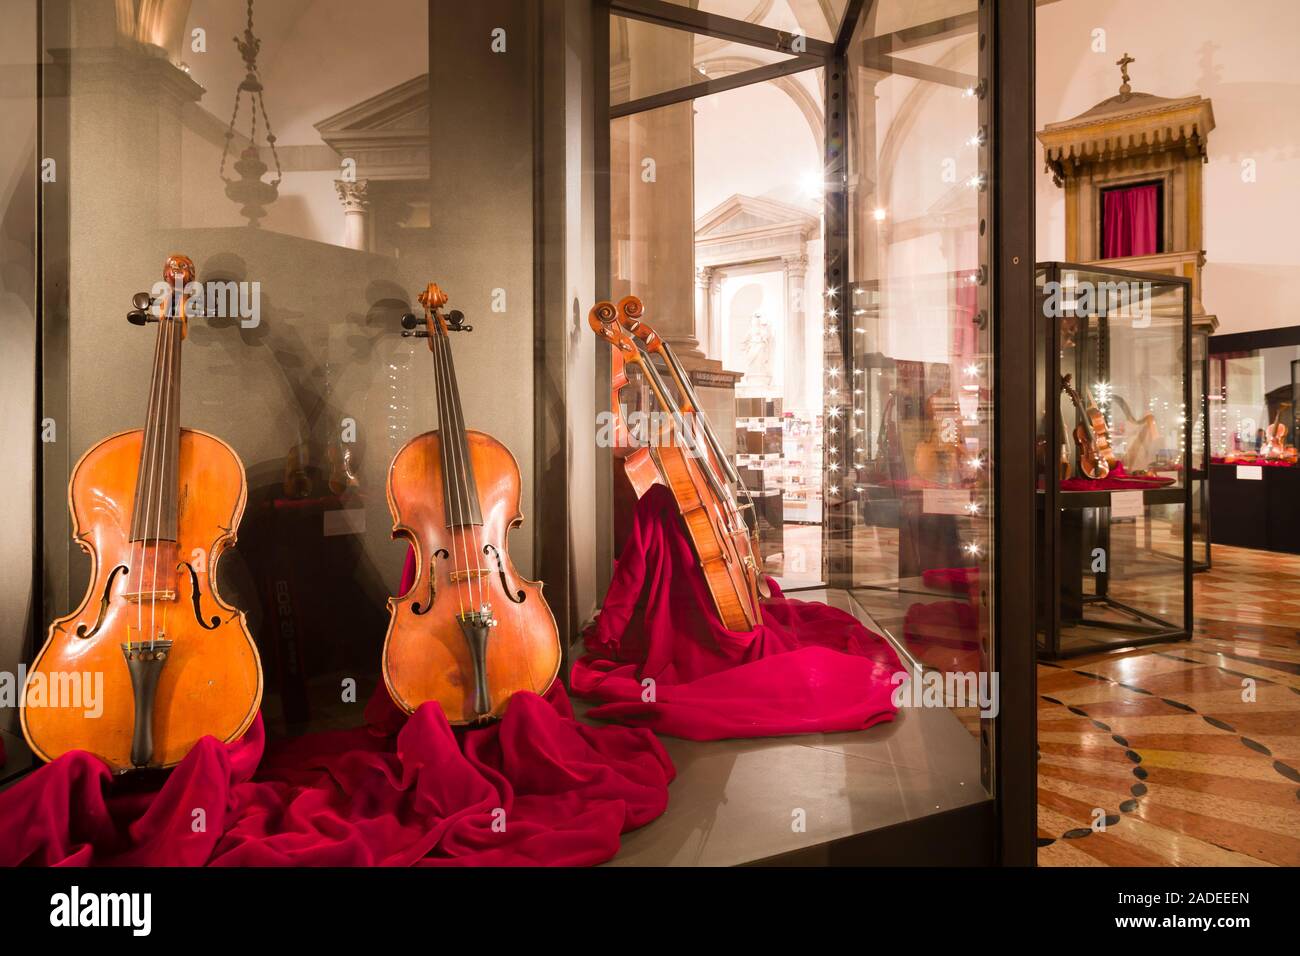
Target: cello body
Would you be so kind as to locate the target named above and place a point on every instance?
(212, 684)
(426, 656)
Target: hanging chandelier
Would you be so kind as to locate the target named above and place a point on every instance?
(249, 190)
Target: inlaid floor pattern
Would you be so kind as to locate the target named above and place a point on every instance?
(1189, 752)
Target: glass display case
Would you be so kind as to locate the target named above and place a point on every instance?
(834, 311)
(1114, 458)
(1253, 470)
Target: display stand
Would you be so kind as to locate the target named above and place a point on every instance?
(1115, 546)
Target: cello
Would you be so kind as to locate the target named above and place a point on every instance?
(468, 632)
(154, 508)
(630, 315)
(722, 541)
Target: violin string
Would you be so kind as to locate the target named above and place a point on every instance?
(439, 376)
(150, 450)
(164, 427)
(470, 492)
(462, 471)
(459, 462)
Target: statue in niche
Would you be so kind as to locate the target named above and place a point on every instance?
(758, 350)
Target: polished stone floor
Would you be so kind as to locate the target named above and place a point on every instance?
(1186, 753)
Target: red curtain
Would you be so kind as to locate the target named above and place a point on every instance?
(1129, 219)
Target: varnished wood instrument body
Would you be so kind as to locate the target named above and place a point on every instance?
(637, 463)
(462, 567)
(156, 595)
(1090, 460)
(721, 547)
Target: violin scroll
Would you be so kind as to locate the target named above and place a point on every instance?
(603, 319)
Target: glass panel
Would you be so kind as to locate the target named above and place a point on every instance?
(1250, 391)
(914, 396)
(1119, 378)
(646, 59)
(741, 303)
(818, 19)
(298, 361)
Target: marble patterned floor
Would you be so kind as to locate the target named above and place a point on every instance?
(1188, 751)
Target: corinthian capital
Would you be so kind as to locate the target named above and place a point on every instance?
(353, 194)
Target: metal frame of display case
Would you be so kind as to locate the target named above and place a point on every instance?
(1054, 500)
(1202, 476)
(1262, 515)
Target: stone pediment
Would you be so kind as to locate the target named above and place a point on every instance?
(754, 214)
(387, 134)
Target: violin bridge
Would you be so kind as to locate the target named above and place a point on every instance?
(149, 597)
(469, 574)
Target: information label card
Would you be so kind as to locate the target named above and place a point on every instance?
(1250, 472)
(1126, 504)
(945, 501)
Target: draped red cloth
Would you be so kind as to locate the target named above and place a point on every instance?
(658, 655)
(1129, 220)
(536, 788)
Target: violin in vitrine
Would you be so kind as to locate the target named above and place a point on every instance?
(469, 632)
(153, 659)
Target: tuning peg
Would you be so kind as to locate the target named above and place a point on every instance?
(409, 321)
(139, 314)
(456, 322)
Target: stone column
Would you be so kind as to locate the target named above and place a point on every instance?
(356, 213)
(796, 319)
(661, 186)
(705, 318)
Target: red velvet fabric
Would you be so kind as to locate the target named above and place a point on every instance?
(1259, 460)
(1117, 480)
(395, 792)
(1129, 219)
(658, 655)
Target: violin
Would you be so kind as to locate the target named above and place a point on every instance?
(154, 508)
(691, 469)
(1092, 461)
(469, 632)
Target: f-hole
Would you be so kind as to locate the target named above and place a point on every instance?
(415, 605)
(194, 598)
(103, 603)
(518, 597)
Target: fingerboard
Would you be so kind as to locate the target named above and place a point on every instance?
(460, 493)
(154, 514)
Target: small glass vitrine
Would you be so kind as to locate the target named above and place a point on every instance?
(1114, 458)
